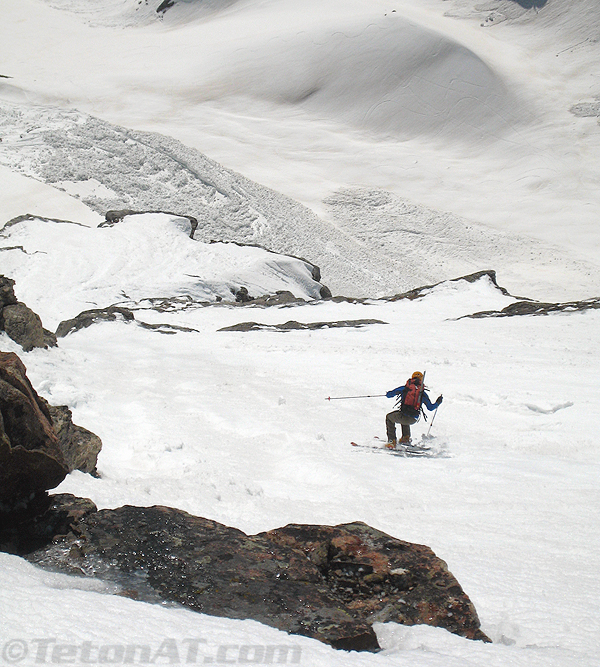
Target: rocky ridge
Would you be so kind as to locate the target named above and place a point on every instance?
(330, 583)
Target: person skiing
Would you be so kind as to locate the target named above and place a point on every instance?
(412, 396)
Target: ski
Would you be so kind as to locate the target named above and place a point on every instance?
(401, 449)
(410, 445)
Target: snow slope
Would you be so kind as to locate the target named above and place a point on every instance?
(65, 268)
(392, 144)
(310, 99)
(235, 426)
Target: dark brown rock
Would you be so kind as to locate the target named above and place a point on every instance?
(49, 519)
(20, 322)
(30, 456)
(7, 293)
(112, 217)
(241, 295)
(530, 307)
(23, 326)
(382, 578)
(79, 447)
(114, 313)
(293, 325)
(220, 571)
(89, 317)
(330, 583)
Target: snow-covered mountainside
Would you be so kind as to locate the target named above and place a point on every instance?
(374, 244)
(109, 167)
(393, 145)
(462, 123)
(131, 13)
(65, 268)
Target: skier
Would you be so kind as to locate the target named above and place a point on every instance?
(412, 395)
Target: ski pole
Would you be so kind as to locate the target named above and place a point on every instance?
(341, 398)
(432, 420)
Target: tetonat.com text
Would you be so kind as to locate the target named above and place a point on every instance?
(191, 651)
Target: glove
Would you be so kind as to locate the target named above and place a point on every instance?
(390, 394)
(439, 400)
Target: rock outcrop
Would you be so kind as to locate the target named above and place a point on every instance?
(79, 447)
(113, 217)
(20, 322)
(530, 307)
(330, 583)
(381, 578)
(31, 460)
(53, 520)
(293, 325)
(89, 317)
(7, 292)
(39, 444)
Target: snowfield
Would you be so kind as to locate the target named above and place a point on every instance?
(147, 256)
(236, 427)
(394, 146)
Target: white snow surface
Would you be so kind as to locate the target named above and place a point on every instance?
(393, 145)
(146, 256)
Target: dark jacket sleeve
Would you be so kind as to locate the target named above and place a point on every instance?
(428, 403)
(398, 391)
